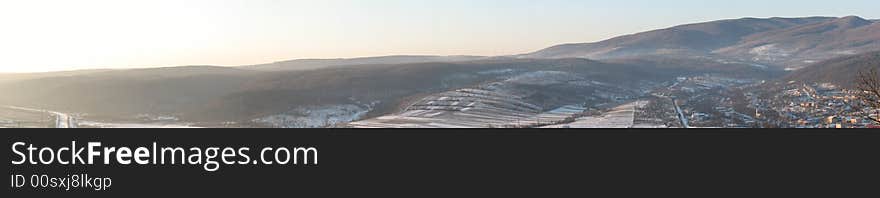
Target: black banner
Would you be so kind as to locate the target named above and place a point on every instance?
(416, 163)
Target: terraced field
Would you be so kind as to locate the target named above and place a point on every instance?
(471, 108)
(528, 100)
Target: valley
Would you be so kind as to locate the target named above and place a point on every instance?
(735, 73)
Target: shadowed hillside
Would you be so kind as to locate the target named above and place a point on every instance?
(840, 71)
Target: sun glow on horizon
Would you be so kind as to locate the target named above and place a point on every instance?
(55, 35)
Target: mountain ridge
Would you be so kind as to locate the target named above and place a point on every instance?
(306, 64)
(721, 36)
(777, 41)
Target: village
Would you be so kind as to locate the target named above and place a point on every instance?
(817, 106)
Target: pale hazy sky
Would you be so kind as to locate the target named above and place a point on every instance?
(46, 35)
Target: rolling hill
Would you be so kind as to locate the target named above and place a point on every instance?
(807, 44)
(783, 42)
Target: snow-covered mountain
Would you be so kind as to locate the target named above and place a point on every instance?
(783, 42)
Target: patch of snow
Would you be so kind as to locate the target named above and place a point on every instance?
(759, 66)
(316, 116)
(769, 52)
(157, 117)
(846, 52)
(497, 71)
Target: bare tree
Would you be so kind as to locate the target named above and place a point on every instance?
(868, 84)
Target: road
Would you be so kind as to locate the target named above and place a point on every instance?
(632, 122)
(63, 120)
(681, 117)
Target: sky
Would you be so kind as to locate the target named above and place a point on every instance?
(54, 35)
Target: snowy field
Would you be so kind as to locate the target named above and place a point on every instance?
(622, 116)
(469, 108)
